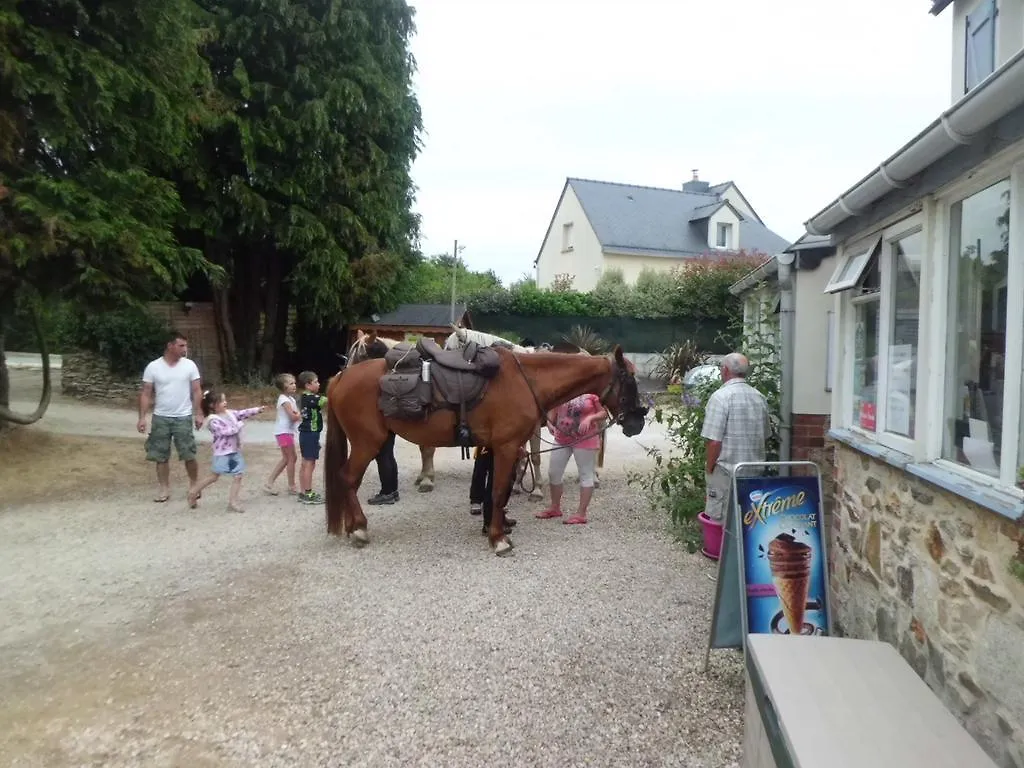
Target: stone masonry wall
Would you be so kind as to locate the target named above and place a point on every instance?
(87, 376)
(928, 572)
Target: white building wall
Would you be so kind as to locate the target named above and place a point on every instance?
(583, 258)
(1009, 37)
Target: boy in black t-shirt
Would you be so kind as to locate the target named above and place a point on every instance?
(311, 405)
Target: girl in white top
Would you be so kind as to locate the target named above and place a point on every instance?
(288, 417)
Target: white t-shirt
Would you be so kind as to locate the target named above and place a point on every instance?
(284, 423)
(172, 386)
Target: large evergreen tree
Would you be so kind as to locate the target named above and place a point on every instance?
(302, 190)
(99, 100)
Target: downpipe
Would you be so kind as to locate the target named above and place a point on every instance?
(787, 328)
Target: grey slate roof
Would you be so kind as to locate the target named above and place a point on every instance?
(429, 315)
(628, 218)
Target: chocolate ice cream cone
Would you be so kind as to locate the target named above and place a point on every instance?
(790, 563)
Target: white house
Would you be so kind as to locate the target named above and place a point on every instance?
(599, 225)
(928, 296)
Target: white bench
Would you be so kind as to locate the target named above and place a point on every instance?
(827, 702)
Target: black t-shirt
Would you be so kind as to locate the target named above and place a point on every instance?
(310, 407)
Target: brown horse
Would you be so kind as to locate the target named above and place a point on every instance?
(524, 389)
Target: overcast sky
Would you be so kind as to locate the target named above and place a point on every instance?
(794, 100)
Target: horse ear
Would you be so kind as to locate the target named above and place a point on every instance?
(370, 337)
(617, 352)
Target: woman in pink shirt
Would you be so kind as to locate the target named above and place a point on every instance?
(226, 427)
(576, 427)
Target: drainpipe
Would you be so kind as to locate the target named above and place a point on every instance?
(787, 328)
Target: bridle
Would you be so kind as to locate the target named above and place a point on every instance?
(619, 380)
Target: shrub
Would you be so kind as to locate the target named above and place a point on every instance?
(127, 339)
(613, 296)
(677, 482)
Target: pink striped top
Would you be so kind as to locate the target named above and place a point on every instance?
(226, 429)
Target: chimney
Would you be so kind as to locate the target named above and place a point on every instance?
(695, 184)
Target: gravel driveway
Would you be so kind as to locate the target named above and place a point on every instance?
(143, 634)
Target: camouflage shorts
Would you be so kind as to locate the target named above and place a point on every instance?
(162, 431)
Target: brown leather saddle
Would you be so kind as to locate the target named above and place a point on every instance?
(424, 377)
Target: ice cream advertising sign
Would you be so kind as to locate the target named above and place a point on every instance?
(784, 566)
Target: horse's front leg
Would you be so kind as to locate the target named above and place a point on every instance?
(504, 468)
(425, 481)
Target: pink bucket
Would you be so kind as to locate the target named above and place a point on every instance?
(712, 536)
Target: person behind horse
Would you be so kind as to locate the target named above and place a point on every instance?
(481, 489)
(575, 426)
(387, 466)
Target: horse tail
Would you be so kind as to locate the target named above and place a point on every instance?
(335, 458)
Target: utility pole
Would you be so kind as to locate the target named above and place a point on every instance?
(455, 272)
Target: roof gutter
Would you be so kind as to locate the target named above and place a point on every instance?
(997, 95)
(755, 276)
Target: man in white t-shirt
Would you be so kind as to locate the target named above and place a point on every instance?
(170, 385)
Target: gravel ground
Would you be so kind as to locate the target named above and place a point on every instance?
(143, 634)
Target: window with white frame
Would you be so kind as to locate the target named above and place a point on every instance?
(882, 278)
(723, 235)
(980, 43)
(957, 401)
(976, 353)
(567, 237)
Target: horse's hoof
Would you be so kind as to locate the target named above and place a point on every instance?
(417, 481)
(536, 496)
(426, 487)
(503, 548)
(360, 538)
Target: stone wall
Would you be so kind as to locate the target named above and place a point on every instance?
(928, 572)
(87, 376)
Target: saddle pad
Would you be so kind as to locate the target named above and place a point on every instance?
(403, 395)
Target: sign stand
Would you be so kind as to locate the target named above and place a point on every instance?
(773, 557)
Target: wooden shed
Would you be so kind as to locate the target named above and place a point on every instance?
(411, 321)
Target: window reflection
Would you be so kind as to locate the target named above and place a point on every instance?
(979, 244)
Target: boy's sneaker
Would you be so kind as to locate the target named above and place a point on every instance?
(476, 508)
(310, 497)
(383, 498)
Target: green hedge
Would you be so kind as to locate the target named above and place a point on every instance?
(634, 334)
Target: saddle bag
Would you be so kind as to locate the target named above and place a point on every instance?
(403, 395)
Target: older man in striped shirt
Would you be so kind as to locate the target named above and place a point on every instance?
(736, 425)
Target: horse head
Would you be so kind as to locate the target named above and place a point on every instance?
(623, 395)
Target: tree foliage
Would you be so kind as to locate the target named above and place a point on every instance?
(303, 189)
(99, 103)
(430, 282)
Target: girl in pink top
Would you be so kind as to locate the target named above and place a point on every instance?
(225, 425)
(575, 426)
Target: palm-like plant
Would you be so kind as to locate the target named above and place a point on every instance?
(583, 337)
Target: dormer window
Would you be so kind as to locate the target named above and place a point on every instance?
(723, 235)
(980, 48)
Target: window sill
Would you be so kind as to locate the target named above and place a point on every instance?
(1004, 504)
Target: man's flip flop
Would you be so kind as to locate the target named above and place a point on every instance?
(162, 499)
(575, 520)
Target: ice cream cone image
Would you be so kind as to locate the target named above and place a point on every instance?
(790, 563)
